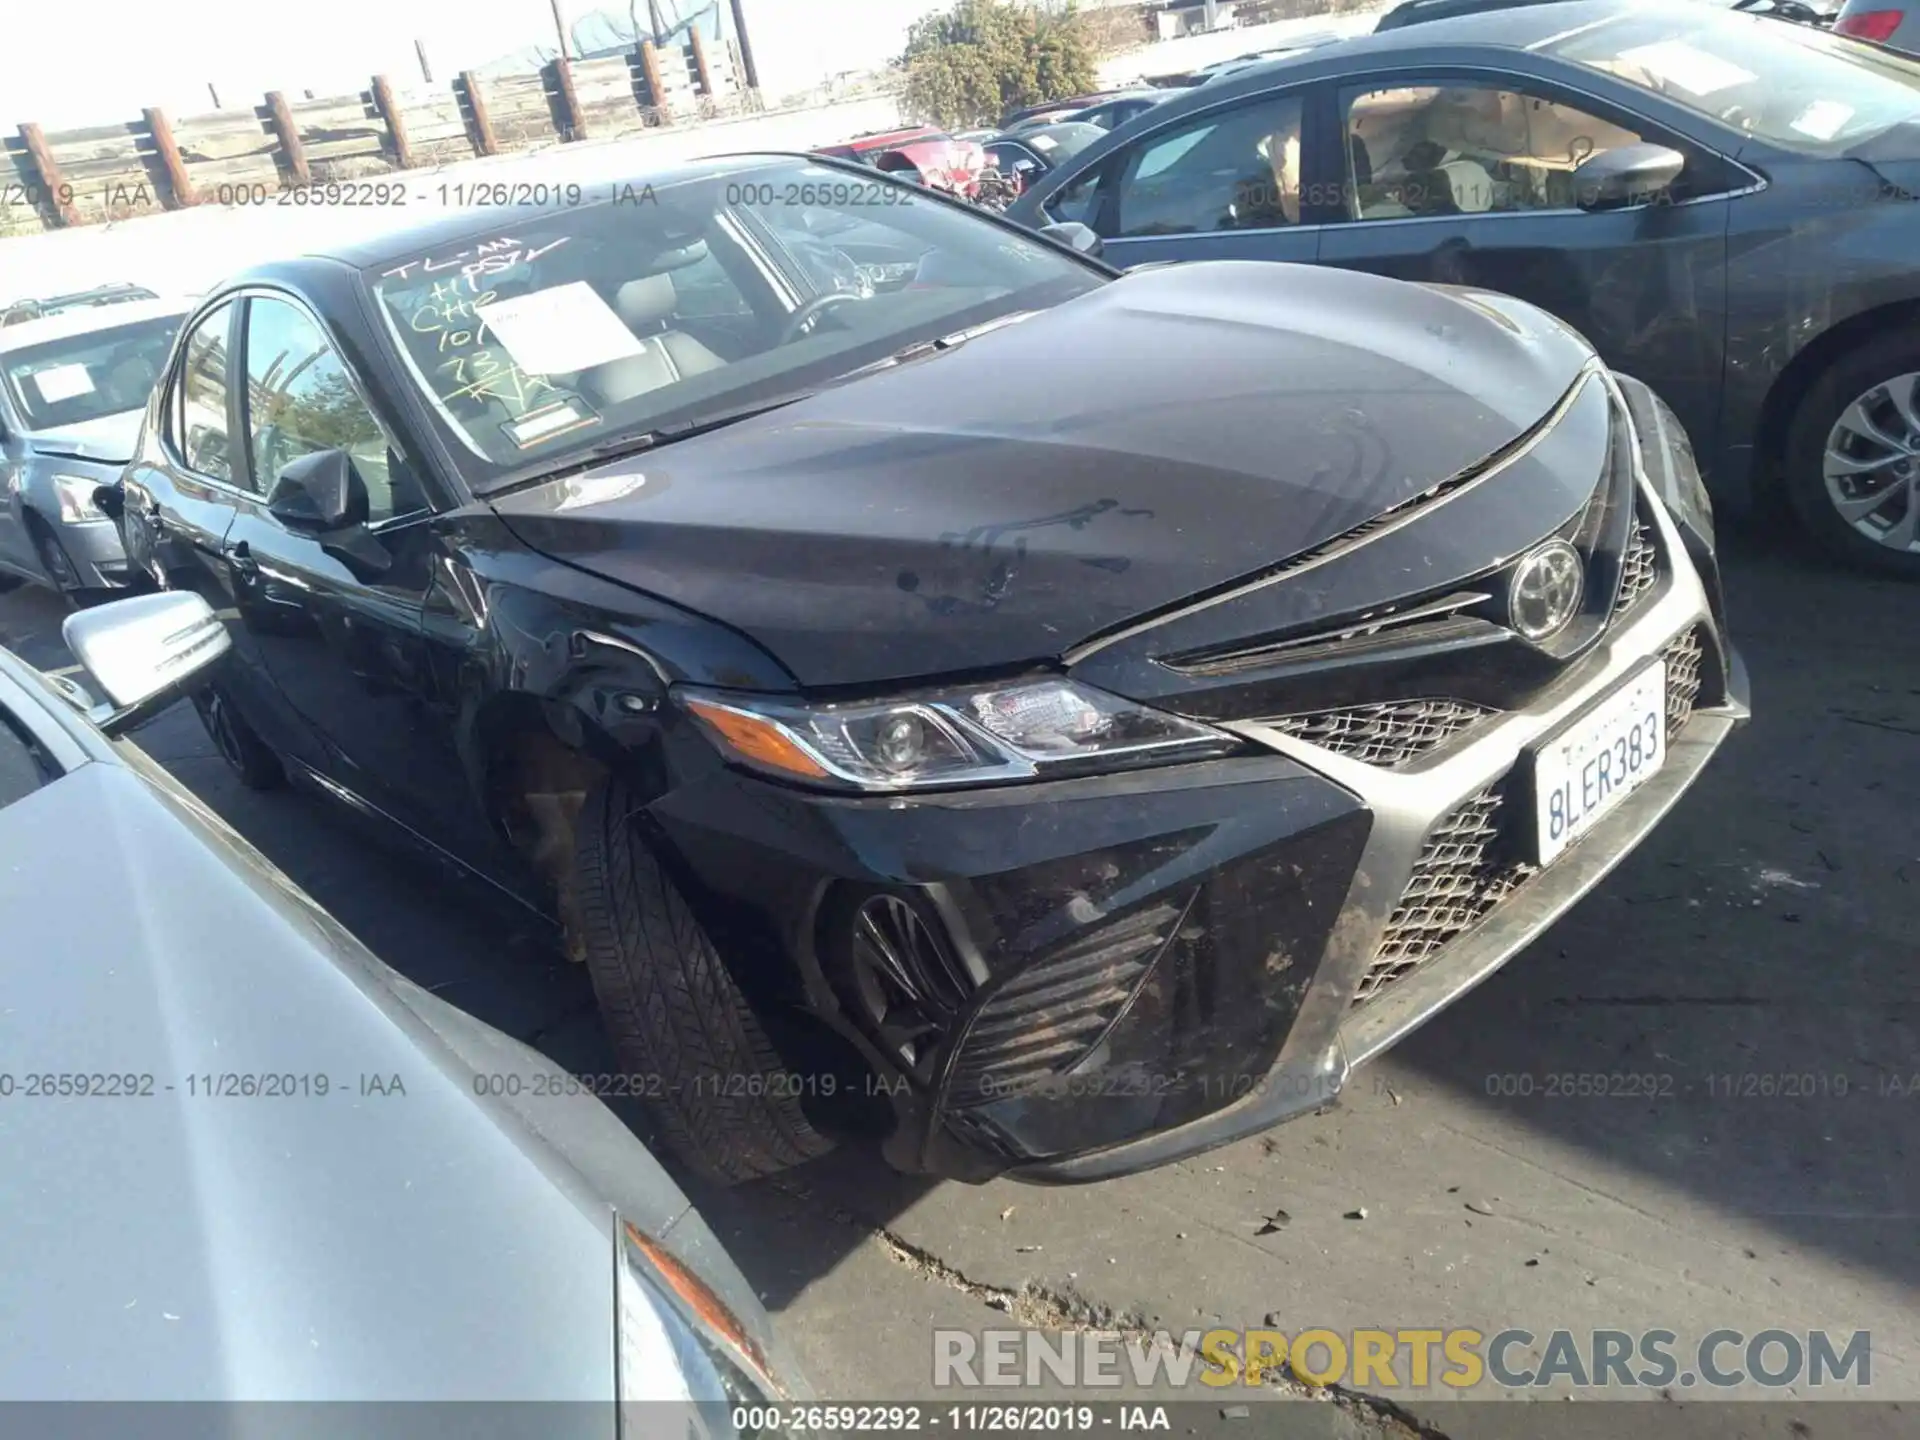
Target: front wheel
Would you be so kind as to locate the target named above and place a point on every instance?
(1853, 458)
(239, 744)
(678, 1019)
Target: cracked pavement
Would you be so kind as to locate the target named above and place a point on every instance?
(1767, 929)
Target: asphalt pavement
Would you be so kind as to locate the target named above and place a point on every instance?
(1757, 962)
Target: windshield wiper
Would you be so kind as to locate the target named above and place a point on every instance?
(939, 344)
(666, 434)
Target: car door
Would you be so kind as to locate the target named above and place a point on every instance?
(180, 496)
(337, 615)
(16, 549)
(1467, 177)
(1223, 184)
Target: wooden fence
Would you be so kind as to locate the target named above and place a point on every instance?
(55, 178)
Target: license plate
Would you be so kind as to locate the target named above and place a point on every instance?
(1586, 770)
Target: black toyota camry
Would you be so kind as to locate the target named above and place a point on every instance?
(1070, 766)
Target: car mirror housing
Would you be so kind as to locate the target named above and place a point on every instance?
(1073, 235)
(1626, 175)
(143, 652)
(318, 493)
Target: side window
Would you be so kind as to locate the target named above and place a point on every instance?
(1234, 171)
(299, 401)
(1466, 150)
(198, 412)
(1076, 200)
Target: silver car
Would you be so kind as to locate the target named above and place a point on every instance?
(247, 1161)
(73, 387)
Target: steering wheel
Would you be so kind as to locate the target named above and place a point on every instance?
(802, 320)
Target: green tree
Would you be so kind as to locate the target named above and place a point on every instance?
(971, 64)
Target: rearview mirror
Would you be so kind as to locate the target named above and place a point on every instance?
(143, 652)
(1073, 234)
(319, 492)
(1626, 175)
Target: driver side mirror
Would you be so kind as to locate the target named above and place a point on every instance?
(324, 496)
(319, 492)
(1074, 235)
(1626, 175)
(143, 652)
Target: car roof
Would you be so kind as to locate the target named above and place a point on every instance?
(1516, 28)
(89, 318)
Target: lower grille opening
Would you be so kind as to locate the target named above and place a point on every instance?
(1048, 1016)
(1470, 861)
(1639, 567)
(1388, 734)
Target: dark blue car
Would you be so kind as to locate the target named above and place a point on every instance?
(1723, 204)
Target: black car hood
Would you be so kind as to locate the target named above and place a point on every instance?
(1166, 434)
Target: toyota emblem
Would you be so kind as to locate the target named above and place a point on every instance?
(1548, 585)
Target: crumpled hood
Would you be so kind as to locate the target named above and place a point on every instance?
(109, 439)
(994, 505)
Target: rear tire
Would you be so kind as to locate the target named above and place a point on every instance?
(1864, 412)
(675, 1012)
(239, 744)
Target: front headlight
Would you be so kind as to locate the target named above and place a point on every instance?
(1017, 731)
(75, 494)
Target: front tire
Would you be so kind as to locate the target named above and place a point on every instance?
(674, 1012)
(239, 744)
(1853, 458)
(52, 555)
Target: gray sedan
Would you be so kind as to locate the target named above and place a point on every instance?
(72, 389)
(247, 1161)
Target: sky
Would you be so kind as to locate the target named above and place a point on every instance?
(166, 55)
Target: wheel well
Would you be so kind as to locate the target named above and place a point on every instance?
(1790, 387)
(538, 763)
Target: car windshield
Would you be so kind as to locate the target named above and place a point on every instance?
(1791, 85)
(84, 377)
(1062, 142)
(539, 342)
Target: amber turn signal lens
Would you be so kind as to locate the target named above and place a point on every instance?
(758, 740)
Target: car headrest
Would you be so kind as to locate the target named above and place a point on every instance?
(646, 301)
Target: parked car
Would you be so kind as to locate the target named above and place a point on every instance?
(1892, 23)
(1029, 154)
(246, 1161)
(920, 154)
(18, 312)
(890, 712)
(1720, 203)
(72, 389)
(1122, 108)
(1056, 108)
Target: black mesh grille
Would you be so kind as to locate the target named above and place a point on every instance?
(1389, 734)
(1467, 865)
(1049, 1015)
(1456, 881)
(1639, 568)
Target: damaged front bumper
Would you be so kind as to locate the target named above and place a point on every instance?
(1080, 979)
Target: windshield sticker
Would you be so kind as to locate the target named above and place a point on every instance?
(62, 382)
(1679, 63)
(489, 257)
(1823, 119)
(545, 424)
(1043, 143)
(560, 330)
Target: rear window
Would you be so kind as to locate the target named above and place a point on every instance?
(1790, 85)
